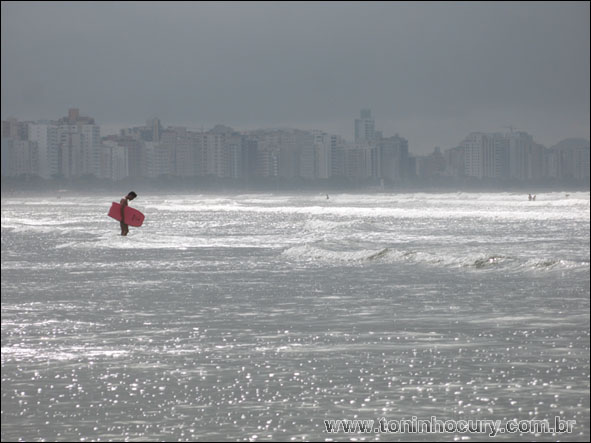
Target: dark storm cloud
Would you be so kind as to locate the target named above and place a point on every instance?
(429, 71)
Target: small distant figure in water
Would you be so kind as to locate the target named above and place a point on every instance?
(534, 198)
(124, 201)
(529, 197)
(327, 196)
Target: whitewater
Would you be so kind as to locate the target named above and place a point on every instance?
(259, 316)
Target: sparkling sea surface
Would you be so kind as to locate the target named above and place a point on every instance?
(259, 316)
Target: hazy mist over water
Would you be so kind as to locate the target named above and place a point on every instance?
(432, 72)
(258, 316)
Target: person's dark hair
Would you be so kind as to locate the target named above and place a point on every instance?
(132, 194)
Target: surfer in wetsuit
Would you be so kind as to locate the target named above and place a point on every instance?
(123, 203)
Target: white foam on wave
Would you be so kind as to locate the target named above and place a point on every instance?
(309, 252)
(548, 264)
(324, 225)
(44, 216)
(420, 211)
(475, 261)
(152, 240)
(436, 229)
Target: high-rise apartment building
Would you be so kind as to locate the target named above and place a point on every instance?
(569, 160)
(391, 159)
(113, 160)
(155, 129)
(80, 141)
(12, 128)
(19, 157)
(526, 158)
(46, 136)
(365, 127)
(485, 155)
(323, 143)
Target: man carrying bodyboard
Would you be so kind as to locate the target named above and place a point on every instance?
(125, 214)
(124, 201)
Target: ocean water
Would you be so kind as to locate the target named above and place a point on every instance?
(257, 317)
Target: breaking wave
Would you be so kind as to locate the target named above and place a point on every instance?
(326, 255)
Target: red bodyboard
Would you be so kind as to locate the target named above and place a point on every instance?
(133, 217)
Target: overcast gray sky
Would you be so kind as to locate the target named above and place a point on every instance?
(431, 72)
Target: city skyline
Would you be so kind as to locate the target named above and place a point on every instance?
(113, 128)
(72, 147)
(433, 72)
(116, 128)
